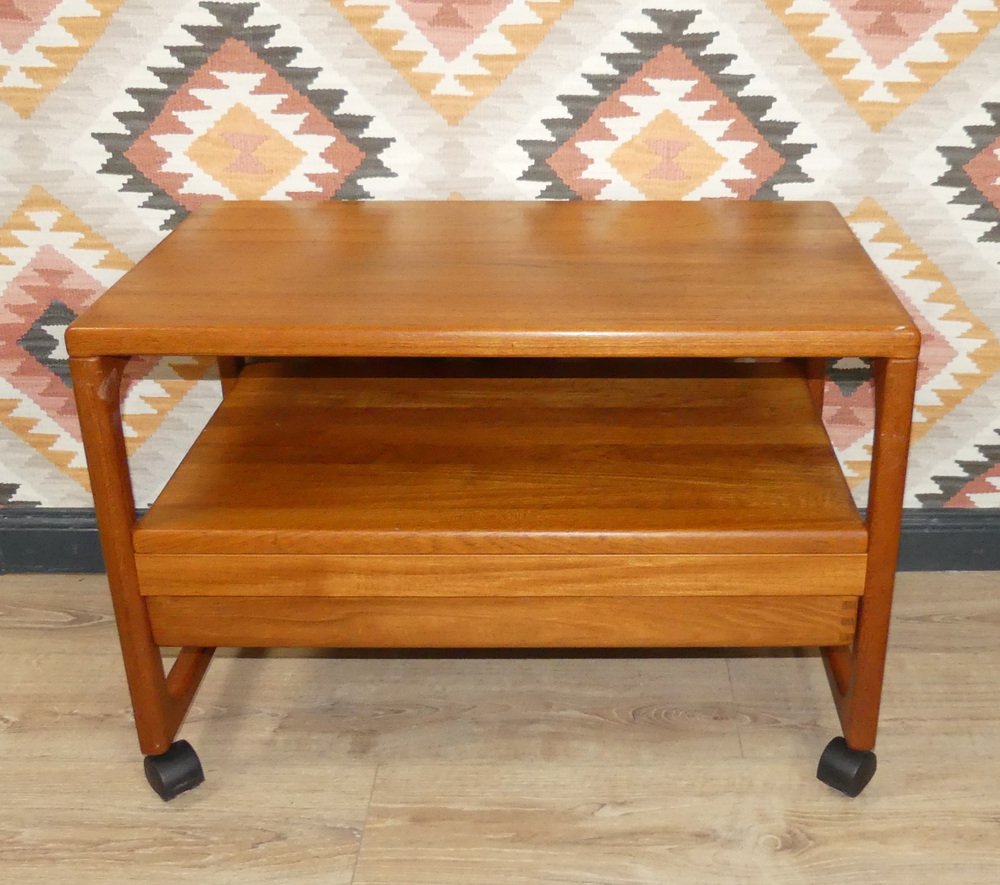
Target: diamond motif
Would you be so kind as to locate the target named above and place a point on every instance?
(50, 284)
(43, 41)
(244, 154)
(671, 122)
(235, 119)
(848, 376)
(975, 173)
(883, 56)
(20, 21)
(52, 266)
(454, 53)
(984, 172)
(958, 351)
(451, 25)
(45, 340)
(666, 160)
(886, 31)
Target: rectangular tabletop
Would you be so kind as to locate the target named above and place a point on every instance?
(715, 278)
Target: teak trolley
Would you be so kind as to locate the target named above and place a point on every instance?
(503, 425)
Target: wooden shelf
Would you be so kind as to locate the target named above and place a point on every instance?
(569, 478)
(305, 459)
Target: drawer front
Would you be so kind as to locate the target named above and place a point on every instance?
(503, 622)
(497, 576)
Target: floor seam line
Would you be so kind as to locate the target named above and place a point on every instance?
(732, 696)
(364, 824)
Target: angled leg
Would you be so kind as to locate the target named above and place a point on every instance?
(159, 701)
(856, 672)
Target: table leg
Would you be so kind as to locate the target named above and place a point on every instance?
(856, 673)
(814, 369)
(229, 371)
(159, 701)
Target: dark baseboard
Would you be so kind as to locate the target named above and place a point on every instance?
(56, 539)
(65, 540)
(950, 540)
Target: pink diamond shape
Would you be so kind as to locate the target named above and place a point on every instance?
(888, 29)
(984, 172)
(20, 21)
(451, 25)
(47, 277)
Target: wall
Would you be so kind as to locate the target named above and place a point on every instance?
(118, 118)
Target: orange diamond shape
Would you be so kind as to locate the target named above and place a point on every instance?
(245, 154)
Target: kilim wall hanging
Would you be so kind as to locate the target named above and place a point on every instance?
(118, 118)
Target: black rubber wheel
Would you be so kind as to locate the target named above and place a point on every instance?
(175, 771)
(845, 769)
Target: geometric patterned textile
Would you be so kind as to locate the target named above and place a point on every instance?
(453, 52)
(235, 119)
(975, 172)
(52, 266)
(882, 55)
(976, 483)
(671, 122)
(117, 119)
(958, 353)
(42, 40)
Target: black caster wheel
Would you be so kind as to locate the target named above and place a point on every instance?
(175, 771)
(845, 769)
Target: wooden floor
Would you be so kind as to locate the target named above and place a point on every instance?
(500, 769)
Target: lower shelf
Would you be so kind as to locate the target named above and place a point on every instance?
(503, 622)
(415, 504)
(479, 458)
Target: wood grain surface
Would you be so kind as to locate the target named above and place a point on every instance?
(159, 703)
(503, 622)
(690, 574)
(690, 768)
(720, 458)
(895, 385)
(503, 279)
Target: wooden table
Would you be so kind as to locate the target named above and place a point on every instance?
(503, 425)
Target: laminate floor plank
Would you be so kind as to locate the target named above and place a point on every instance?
(92, 820)
(940, 680)
(946, 611)
(451, 710)
(948, 698)
(57, 614)
(500, 768)
(693, 821)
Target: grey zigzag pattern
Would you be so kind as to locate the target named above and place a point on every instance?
(971, 471)
(984, 211)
